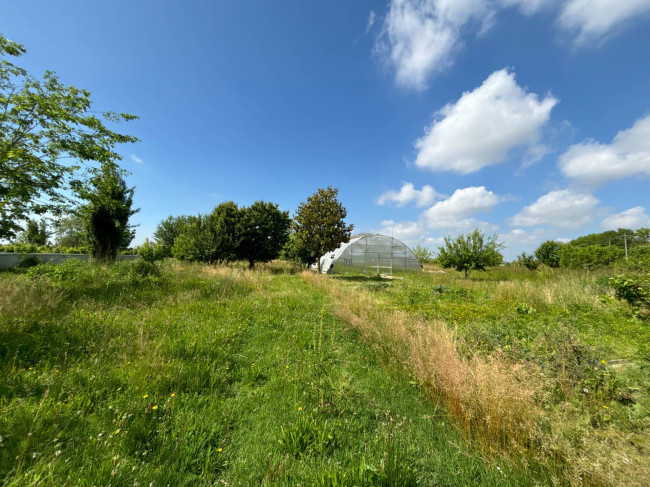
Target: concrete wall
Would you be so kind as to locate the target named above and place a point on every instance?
(9, 259)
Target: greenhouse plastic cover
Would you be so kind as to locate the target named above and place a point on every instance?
(371, 252)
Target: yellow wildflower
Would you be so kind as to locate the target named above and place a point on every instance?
(219, 450)
(119, 389)
(286, 366)
(605, 406)
(154, 407)
(31, 368)
(173, 394)
(117, 431)
(145, 396)
(299, 408)
(603, 361)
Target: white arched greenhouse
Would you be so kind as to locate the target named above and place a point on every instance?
(370, 253)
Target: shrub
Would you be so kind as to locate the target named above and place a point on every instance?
(635, 291)
(529, 261)
(589, 256)
(548, 253)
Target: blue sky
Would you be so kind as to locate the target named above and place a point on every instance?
(529, 119)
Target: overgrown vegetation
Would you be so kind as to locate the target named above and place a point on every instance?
(132, 373)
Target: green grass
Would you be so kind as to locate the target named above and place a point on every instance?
(120, 375)
(587, 354)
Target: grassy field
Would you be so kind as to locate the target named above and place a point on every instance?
(190, 375)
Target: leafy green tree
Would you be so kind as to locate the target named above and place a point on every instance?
(69, 231)
(224, 219)
(423, 254)
(107, 211)
(470, 252)
(168, 230)
(319, 225)
(197, 242)
(589, 256)
(36, 232)
(611, 238)
(150, 251)
(47, 134)
(548, 253)
(262, 230)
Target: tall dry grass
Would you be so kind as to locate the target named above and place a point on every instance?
(494, 400)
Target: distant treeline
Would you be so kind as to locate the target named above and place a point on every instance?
(629, 248)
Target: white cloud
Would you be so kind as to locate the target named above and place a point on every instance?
(454, 214)
(594, 20)
(519, 236)
(408, 193)
(562, 208)
(481, 127)
(455, 211)
(136, 159)
(633, 218)
(371, 20)
(420, 38)
(627, 155)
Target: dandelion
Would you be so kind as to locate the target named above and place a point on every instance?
(116, 432)
(286, 366)
(31, 368)
(173, 394)
(605, 406)
(219, 450)
(154, 407)
(299, 408)
(603, 362)
(145, 396)
(119, 389)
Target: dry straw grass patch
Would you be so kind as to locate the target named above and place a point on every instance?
(495, 402)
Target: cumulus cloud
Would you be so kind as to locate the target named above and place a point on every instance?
(455, 214)
(481, 127)
(519, 236)
(633, 218)
(136, 159)
(563, 208)
(408, 193)
(456, 211)
(596, 163)
(591, 21)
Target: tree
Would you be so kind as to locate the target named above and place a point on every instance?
(36, 232)
(69, 231)
(548, 253)
(262, 231)
(589, 256)
(47, 135)
(168, 230)
(210, 238)
(106, 215)
(470, 252)
(319, 225)
(423, 254)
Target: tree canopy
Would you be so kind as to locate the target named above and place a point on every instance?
(47, 135)
(106, 215)
(470, 252)
(319, 225)
(262, 230)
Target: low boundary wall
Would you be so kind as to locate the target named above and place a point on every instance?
(10, 259)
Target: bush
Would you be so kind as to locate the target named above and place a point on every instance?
(548, 253)
(635, 291)
(589, 256)
(529, 261)
(150, 252)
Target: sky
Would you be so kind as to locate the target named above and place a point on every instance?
(527, 119)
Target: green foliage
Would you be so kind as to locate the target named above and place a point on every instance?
(197, 242)
(168, 230)
(106, 215)
(223, 224)
(306, 436)
(42, 122)
(319, 226)
(36, 233)
(614, 238)
(529, 261)
(548, 253)
(423, 254)
(634, 290)
(262, 231)
(150, 251)
(470, 252)
(69, 231)
(589, 257)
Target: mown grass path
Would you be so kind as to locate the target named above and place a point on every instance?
(207, 377)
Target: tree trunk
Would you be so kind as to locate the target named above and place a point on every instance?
(251, 264)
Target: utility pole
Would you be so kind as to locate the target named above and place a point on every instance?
(625, 240)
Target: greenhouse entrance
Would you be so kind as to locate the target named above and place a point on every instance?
(371, 253)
